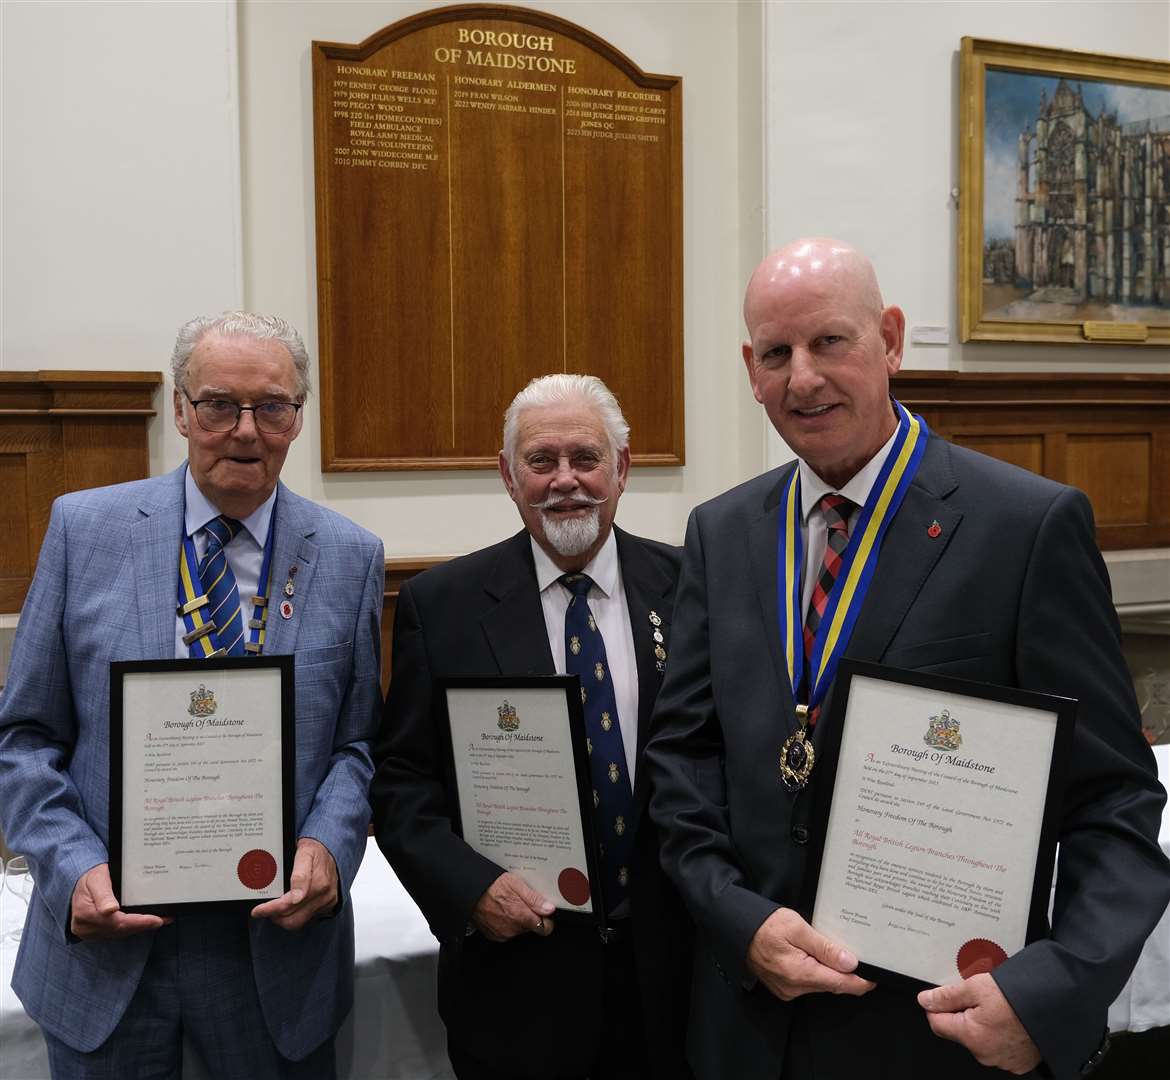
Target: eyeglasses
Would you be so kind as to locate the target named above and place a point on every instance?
(271, 417)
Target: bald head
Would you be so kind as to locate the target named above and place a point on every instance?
(817, 261)
(820, 352)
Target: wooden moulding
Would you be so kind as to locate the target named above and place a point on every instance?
(499, 196)
(1108, 435)
(63, 431)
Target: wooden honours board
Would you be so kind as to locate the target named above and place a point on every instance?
(499, 196)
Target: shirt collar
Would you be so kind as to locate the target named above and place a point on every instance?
(199, 510)
(812, 487)
(602, 568)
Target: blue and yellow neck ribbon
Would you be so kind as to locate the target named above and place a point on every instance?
(201, 634)
(857, 563)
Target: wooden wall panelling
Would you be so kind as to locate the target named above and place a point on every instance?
(1109, 435)
(63, 431)
(487, 213)
(398, 572)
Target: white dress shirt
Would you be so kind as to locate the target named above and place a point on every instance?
(245, 552)
(607, 601)
(813, 530)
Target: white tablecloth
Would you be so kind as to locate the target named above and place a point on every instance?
(1144, 1002)
(394, 1032)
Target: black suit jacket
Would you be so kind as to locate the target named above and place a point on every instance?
(1012, 591)
(530, 1006)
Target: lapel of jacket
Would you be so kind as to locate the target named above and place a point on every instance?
(154, 542)
(292, 546)
(647, 589)
(909, 553)
(514, 626)
(762, 538)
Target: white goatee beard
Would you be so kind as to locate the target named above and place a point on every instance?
(571, 536)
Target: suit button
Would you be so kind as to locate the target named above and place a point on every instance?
(800, 834)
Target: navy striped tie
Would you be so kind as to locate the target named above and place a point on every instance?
(219, 585)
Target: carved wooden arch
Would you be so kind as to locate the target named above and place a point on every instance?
(501, 13)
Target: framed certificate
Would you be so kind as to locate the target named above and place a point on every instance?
(202, 762)
(940, 800)
(519, 783)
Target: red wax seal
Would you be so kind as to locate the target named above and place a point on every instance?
(978, 956)
(257, 869)
(574, 886)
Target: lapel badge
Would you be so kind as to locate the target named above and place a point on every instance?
(656, 633)
(934, 530)
(286, 609)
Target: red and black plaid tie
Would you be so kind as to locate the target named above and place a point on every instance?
(836, 509)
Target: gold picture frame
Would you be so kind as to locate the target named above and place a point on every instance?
(1080, 251)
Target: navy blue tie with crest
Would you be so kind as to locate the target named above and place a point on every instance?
(613, 797)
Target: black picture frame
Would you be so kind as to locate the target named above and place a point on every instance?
(824, 791)
(119, 670)
(570, 685)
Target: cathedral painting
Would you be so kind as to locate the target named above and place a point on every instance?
(1076, 200)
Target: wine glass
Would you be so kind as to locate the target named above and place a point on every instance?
(18, 881)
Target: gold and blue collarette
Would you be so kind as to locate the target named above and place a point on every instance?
(853, 579)
(201, 631)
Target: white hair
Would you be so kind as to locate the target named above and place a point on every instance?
(239, 324)
(560, 389)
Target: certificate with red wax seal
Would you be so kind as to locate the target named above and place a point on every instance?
(202, 763)
(519, 785)
(933, 821)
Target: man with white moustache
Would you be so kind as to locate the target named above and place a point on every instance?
(522, 996)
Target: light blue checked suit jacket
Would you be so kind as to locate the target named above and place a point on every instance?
(105, 589)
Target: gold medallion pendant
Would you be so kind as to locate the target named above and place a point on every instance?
(797, 756)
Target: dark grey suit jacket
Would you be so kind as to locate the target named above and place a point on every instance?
(1013, 591)
(530, 1006)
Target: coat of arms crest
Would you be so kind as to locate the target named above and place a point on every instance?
(202, 702)
(509, 719)
(943, 732)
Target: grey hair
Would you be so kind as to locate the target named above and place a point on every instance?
(240, 324)
(559, 389)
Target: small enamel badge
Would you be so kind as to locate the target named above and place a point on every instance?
(934, 530)
(286, 609)
(655, 619)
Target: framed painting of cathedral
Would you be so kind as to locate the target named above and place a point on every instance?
(1064, 222)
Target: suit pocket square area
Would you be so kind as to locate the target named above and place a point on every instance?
(939, 651)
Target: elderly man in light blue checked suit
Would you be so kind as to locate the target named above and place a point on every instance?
(116, 992)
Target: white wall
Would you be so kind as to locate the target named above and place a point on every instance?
(120, 183)
(862, 112)
(123, 139)
(862, 107)
(453, 512)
